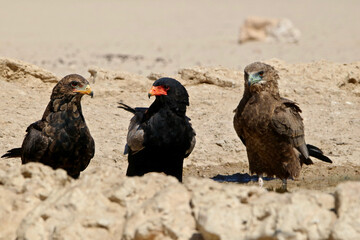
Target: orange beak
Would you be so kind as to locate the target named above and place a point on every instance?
(85, 90)
(157, 91)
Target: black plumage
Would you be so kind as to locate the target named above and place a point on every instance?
(161, 136)
(61, 138)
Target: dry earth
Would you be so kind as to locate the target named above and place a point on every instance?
(39, 203)
(328, 93)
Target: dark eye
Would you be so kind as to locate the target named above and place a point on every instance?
(261, 73)
(74, 84)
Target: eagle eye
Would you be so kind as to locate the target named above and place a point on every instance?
(74, 84)
(261, 73)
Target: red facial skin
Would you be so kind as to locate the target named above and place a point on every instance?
(158, 91)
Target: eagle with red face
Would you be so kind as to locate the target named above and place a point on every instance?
(161, 136)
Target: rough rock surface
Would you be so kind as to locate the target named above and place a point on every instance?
(235, 212)
(40, 203)
(16, 70)
(124, 79)
(269, 29)
(218, 76)
(346, 76)
(347, 199)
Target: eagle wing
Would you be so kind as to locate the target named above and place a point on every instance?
(135, 136)
(35, 144)
(193, 140)
(287, 121)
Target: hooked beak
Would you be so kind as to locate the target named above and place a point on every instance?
(85, 90)
(157, 91)
(254, 78)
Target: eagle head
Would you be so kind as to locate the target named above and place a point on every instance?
(169, 89)
(72, 85)
(260, 76)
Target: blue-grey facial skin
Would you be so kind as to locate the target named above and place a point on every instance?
(254, 78)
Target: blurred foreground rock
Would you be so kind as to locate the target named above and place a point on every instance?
(40, 203)
(269, 29)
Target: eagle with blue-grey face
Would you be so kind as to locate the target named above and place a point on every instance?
(271, 127)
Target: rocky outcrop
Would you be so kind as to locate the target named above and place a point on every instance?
(16, 70)
(40, 203)
(236, 212)
(345, 75)
(347, 199)
(222, 77)
(111, 81)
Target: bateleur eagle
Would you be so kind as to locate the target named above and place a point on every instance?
(161, 136)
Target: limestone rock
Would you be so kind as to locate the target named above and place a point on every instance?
(155, 76)
(123, 80)
(347, 197)
(346, 76)
(37, 202)
(269, 29)
(103, 204)
(167, 215)
(235, 212)
(16, 70)
(103, 75)
(218, 76)
(23, 188)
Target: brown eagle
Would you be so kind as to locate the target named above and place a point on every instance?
(161, 136)
(271, 127)
(61, 138)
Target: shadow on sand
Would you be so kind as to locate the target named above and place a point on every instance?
(246, 178)
(239, 178)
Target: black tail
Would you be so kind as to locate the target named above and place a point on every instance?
(317, 153)
(126, 107)
(13, 153)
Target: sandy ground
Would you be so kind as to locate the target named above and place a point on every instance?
(142, 37)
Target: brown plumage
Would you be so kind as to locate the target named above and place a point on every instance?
(61, 138)
(271, 127)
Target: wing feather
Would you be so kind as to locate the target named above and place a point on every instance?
(35, 144)
(287, 121)
(135, 136)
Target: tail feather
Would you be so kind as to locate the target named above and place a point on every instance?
(126, 107)
(13, 153)
(317, 153)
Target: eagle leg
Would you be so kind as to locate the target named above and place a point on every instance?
(261, 181)
(284, 184)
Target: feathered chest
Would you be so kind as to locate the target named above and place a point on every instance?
(167, 129)
(67, 123)
(258, 113)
